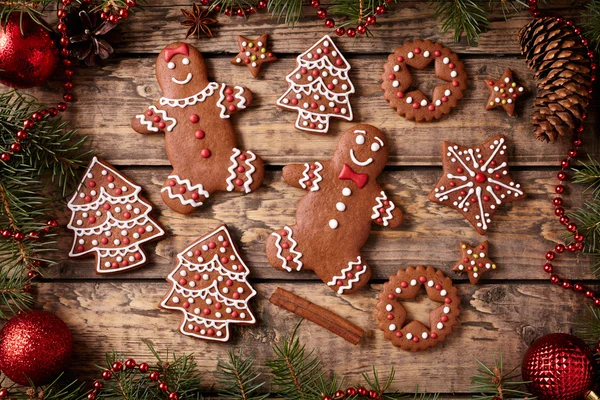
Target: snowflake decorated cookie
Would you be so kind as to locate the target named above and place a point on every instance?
(504, 93)
(414, 104)
(209, 286)
(476, 181)
(110, 219)
(253, 54)
(405, 285)
(474, 261)
(319, 87)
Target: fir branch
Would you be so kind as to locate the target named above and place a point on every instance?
(588, 174)
(492, 383)
(290, 10)
(354, 11)
(587, 325)
(295, 371)
(238, 379)
(231, 5)
(56, 390)
(33, 8)
(461, 16)
(592, 22)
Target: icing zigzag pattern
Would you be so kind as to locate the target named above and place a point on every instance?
(189, 187)
(295, 253)
(351, 281)
(388, 209)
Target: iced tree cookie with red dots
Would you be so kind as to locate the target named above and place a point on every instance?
(210, 287)
(201, 142)
(110, 219)
(504, 93)
(405, 285)
(411, 103)
(319, 87)
(334, 218)
(474, 261)
(253, 54)
(475, 181)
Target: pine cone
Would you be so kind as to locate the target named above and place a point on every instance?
(563, 72)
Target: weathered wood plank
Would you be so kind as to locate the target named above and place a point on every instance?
(520, 234)
(504, 317)
(158, 24)
(107, 99)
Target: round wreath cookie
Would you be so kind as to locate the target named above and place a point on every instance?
(397, 79)
(414, 335)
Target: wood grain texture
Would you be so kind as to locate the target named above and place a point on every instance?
(520, 234)
(504, 317)
(107, 99)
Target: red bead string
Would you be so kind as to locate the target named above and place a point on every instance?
(33, 235)
(557, 201)
(361, 28)
(239, 12)
(130, 364)
(352, 392)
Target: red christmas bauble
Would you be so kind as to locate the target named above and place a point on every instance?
(36, 345)
(27, 58)
(559, 367)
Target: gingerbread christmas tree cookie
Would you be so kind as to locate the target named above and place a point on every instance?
(319, 87)
(405, 285)
(504, 93)
(110, 219)
(209, 286)
(475, 181)
(253, 54)
(474, 261)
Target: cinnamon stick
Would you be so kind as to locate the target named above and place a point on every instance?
(318, 315)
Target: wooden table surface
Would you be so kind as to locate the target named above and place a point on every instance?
(506, 311)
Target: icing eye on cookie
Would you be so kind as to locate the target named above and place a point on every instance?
(376, 146)
(360, 139)
(171, 65)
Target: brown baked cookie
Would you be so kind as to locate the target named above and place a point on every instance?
(110, 219)
(414, 104)
(474, 261)
(200, 140)
(504, 93)
(414, 335)
(475, 181)
(334, 218)
(210, 287)
(253, 53)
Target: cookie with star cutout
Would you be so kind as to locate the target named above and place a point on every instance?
(475, 181)
(334, 218)
(504, 93)
(474, 261)
(253, 54)
(405, 285)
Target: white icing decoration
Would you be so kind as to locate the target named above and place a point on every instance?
(199, 97)
(249, 170)
(333, 224)
(292, 249)
(189, 187)
(342, 276)
(305, 178)
(388, 209)
(169, 122)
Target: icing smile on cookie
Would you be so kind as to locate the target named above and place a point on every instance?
(183, 82)
(360, 163)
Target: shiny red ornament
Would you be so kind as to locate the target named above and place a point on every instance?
(351, 32)
(559, 367)
(361, 29)
(36, 345)
(29, 58)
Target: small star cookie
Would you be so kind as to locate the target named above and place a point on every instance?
(475, 181)
(474, 261)
(504, 93)
(253, 53)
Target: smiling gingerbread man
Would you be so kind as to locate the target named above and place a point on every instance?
(201, 142)
(334, 218)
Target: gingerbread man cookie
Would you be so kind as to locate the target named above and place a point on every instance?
(414, 104)
(476, 181)
(201, 142)
(334, 218)
(414, 335)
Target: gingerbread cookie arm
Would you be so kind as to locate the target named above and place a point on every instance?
(306, 176)
(233, 99)
(153, 120)
(385, 212)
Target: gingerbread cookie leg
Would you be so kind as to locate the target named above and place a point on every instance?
(181, 195)
(349, 278)
(246, 171)
(283, 251)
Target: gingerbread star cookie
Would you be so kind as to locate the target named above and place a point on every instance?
(475, 181)
(504, 93)
(474, 261)
(253, 53)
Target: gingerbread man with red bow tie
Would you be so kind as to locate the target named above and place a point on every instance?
(334, 218)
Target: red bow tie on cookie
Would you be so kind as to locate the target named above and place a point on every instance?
(359, 179)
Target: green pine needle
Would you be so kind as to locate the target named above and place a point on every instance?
(289, 10)
(33, 8)
(588, 325)
(461, 16)
(592, 22)
(238, 379)
(490, 383)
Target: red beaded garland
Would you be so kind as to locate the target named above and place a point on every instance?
(557, 201)
(352, 392)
